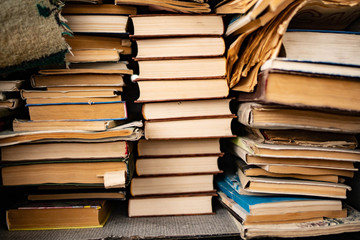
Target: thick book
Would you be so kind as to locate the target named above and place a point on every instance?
(214, 127)
(177, 165)
(257, 115)
(186, 109)
(152, 25)
(302, 90)
(116, 24)
(65, 151)
(182, 68)
(109, 173)
(177, 90)
(322, 46)
(178, 147)
(142, 186)
(293, 187)
(180, 47)
(58, 215)
(110, 110)
(190, 204)
(267, 209)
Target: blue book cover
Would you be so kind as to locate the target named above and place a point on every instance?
(230, 185)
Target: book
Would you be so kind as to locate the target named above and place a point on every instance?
(308, 229)
(322, 46)
(91, 68)
(191, 204)
(115, 24)
(193, 6)
(92, 55)
(332, 69)
(180, 47)
(71, 8)
(301, 90)
(118, 89)
(189, 68)
(26, 94)
(176, 147)
(121, 45)
(65, 151)
(253, 147)
(87, 48)
(152, 25)
(257, 115)
(177, 165)
(298, 217)
(191, 89)
(12, 103)
(186, 109)
(295, 165)
(58, 215)
(141, 186)
(88, 172)
(129, 131)
(74, 99)
(308, 170)
(299, 137)
(256, 171)
(77, 80)
(21, 125)
(293, 187)
(11, 85)
(75, 193)
(189, 128)
(111, 110)
(269, 208)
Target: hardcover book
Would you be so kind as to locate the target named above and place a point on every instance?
(58, 215)
(190, 204)
(257, 115)
(300, 90)
(152, 25)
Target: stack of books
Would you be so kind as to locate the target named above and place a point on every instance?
(298, 116)
(183, 91)
(79, 149)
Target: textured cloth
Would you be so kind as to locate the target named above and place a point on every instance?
(30, 34)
